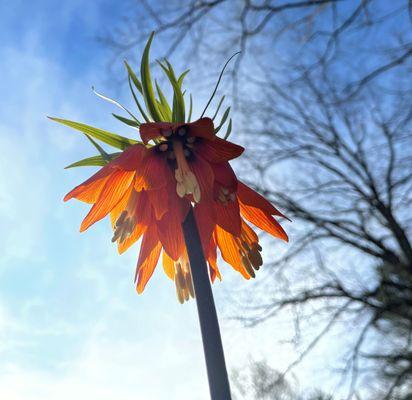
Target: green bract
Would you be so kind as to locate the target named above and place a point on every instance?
(153, 106)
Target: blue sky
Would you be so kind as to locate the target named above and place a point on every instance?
(71, 323)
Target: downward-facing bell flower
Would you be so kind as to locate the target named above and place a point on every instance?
(149, 188)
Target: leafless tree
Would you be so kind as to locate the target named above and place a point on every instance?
(324, 106)
(350, 196)
(314, 31)
(259, 381)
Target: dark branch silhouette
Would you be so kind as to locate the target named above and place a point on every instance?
(324, 109)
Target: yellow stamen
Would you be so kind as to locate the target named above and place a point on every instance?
(183, 281)
(126, 222)
(248, 266)
(250, 255)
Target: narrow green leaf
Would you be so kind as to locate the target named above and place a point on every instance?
(98, 148)
(218, 107)
(223, 120)
(94, 161)
(126, 121)
(134, 77)
(178, 113)
(229, 129)
(166, 110)
(190, 108)
(136, 100)
(182, 77)
(179, 103)
(147, 86)
(109, 138)
(169, 67)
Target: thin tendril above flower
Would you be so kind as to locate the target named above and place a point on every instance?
(148, 187)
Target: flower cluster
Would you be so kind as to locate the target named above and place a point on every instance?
(149, 188)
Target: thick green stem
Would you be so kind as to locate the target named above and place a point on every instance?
(209, 325)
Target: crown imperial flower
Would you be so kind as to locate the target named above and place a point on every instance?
(149, 187)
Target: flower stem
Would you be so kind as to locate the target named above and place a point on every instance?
(209, 325)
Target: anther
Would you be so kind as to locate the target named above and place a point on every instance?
(116, 235)
(191, 139)
(121, 218)
(179, 294)
(179, 276)
(182, 131)
(189, 284)
(163, 147)
(246, 246)
(186, 152)
(256, 259)
(167, 132)
(248, 267)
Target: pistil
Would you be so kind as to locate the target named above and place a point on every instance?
(185, 178)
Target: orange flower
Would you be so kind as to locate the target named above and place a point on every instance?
(148, 193)
(149, 187)
(233, 203)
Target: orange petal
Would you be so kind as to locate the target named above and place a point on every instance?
(218, 150)
(204, 176)
(203, 128)
(89, 191)
(154, 130)
(228, 216)
(224, 176)
(248, 234)
(212, 261)
(180, 206)
(251, 198)
(147, 268)
(205, 217)
(120, 207)
(144, 210)
(113, 191)
(159, 199)
(149, 242)
(263, 221)
(144, 217)
(168, 266)
(130, 159)
(230, 251)
(138, 231)
(154, 172)
(171, 234)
